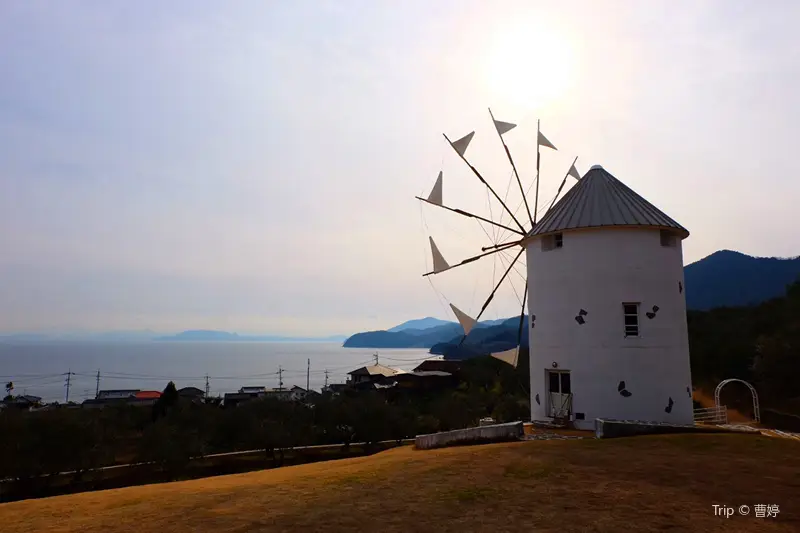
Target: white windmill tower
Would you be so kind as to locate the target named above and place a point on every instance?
(608, 334)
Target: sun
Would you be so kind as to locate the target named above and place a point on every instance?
(529, 66)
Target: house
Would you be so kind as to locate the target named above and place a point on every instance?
(252, 390)
(334, 388)
(608, 332)
(452, 366)
(120, 394)
(423, 380)
(192, 394)
(234, 399)
(134, 397)
(371, 374)
(278, 394)
(298, 394)
(144, 398)
(23, 401)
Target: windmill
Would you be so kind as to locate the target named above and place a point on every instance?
(606, 267)
(515, 226)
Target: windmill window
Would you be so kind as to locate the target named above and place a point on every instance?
(630, 313)
(551, 242)
(668, 239)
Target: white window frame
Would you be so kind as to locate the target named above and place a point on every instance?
(625, 315)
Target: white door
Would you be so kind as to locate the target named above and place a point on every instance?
(559, 394)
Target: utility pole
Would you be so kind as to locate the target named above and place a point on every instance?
(326, 378)
(69, 375)
(308, 374)
(280, 378)
(97, 387)
(208, 390)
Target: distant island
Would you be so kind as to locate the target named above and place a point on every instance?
(205, 335)
(723, 279)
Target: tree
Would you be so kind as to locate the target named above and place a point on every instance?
(169, 398)
(9, 388)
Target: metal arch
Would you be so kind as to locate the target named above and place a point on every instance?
(756, 409)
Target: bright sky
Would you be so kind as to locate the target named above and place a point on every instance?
(251, 166)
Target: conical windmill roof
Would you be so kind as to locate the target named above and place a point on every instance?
(601, 200)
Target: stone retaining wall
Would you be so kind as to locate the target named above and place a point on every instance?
(607, 429)
(494, 433)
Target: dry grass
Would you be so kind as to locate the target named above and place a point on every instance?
(636, 484)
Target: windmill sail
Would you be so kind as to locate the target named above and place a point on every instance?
(544, 142)
(461, 145)
(439, 263)
(436, 194)
(572, 172)
(503, 127)
(508, 356)
(466, 321)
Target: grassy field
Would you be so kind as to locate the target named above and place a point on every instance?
(637, 484)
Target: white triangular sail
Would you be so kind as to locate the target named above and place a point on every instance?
(461, 145)
(435, 196)
(466, 321)
(503, 127)
(509, 356)
(439, 264)
(544, 142)
(574, 172)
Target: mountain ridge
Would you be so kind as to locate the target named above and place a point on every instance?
(725, 278)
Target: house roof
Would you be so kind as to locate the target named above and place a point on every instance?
(148, 395)
(430, 373)
(252, 389)
(601, 200)
(190, 390)
(421, 374)
(445, 365)
(237, 396)
(375, 370)
(27, 398)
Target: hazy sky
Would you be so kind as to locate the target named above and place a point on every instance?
(251, 165)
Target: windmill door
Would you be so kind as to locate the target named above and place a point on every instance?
(559, 397)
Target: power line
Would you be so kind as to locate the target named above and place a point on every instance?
(70, 378)
(69, 375)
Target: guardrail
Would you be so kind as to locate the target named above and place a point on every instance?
(711, 415)
(319, 447)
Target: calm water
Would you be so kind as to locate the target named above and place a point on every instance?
(40, 369)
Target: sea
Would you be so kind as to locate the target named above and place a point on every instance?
(45, 368)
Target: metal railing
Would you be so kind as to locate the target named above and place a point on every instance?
(711, 415)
